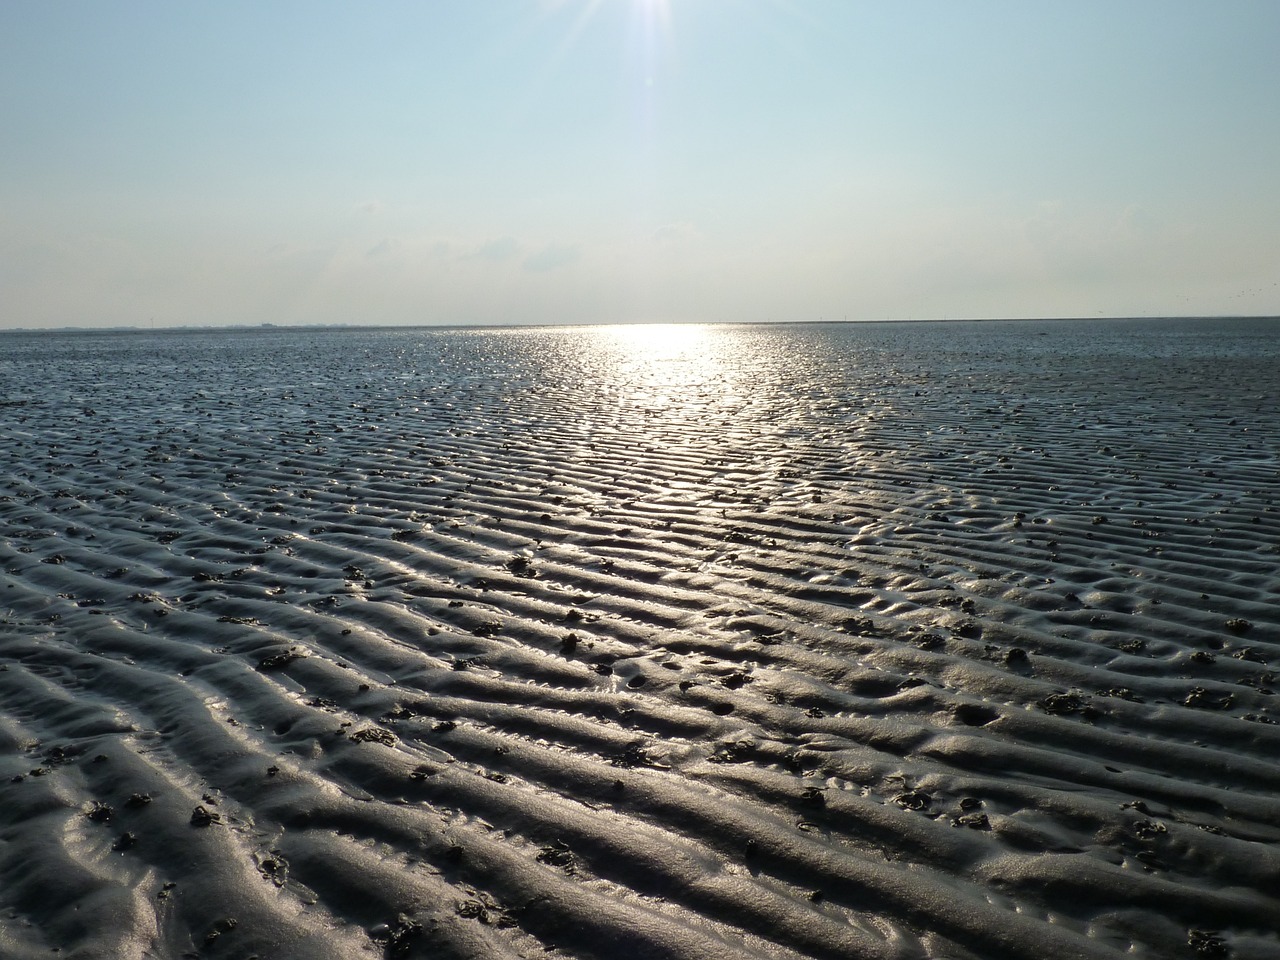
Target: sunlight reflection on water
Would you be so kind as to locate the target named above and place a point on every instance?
(665, 370)
(669, 365)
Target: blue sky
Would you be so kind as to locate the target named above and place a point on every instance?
(582, 161)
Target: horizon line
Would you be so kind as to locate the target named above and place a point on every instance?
(196, 328)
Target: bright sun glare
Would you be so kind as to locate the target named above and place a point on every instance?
(653, 15)
(663, 343)
(659, 10)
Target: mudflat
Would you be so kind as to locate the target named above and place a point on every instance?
(948, 640)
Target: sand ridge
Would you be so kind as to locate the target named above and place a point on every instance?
(910, 641)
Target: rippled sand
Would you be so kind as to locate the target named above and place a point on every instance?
(920, 641)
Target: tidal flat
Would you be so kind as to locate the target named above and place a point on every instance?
(888, 641)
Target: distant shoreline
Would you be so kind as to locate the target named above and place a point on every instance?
(342, 327)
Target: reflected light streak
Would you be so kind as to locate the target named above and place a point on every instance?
(673, 367)
(662, 341)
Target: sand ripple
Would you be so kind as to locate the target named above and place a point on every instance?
(895, 642)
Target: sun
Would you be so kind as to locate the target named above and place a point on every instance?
(657, 12)
(653, 16)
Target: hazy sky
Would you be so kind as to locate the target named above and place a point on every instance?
(548, 161)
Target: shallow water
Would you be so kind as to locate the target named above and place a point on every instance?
(884, 640)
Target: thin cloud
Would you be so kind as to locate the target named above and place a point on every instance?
(495, 251)
(674, 232)
(551, 257)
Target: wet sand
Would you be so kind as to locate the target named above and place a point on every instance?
(921, 641)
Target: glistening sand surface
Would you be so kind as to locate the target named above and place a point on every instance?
(945, 640)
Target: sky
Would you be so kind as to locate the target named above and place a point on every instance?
(599, 161)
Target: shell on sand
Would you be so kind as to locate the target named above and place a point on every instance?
(879, 641)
